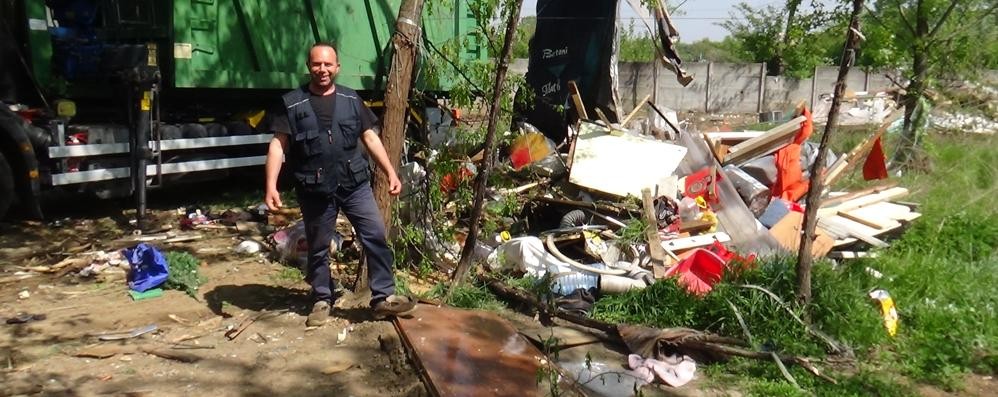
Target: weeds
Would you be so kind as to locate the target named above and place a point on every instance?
(468, 296)
(185, 274)
(288, 275)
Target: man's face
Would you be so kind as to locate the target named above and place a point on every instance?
(323, 65)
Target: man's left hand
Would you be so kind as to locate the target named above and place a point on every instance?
(394, 185)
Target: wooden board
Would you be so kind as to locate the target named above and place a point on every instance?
(703, 240)
(854, 229)
(788, 233)
(470, 353)
(864, 201)
(761, 145)
(623, 165)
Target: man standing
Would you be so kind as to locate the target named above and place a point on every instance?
(319, 136)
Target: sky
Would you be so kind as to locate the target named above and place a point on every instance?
(698, 20)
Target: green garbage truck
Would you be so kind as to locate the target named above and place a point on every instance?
(113, 97)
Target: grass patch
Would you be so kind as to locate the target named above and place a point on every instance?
(288, 274)
(468, 296)
(185, 273)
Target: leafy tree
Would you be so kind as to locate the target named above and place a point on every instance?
(524, 32)
(788, 39)
(928, 40)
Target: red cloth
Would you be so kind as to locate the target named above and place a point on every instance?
(790, 183)
(875, 166)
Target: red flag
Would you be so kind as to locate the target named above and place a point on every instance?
(875, 166)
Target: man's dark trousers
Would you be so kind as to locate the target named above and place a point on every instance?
(319, 212)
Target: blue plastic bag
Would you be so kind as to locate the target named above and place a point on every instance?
(149, 267)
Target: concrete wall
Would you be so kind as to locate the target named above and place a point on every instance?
(735, 88)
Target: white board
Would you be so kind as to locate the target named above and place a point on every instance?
(623, 165)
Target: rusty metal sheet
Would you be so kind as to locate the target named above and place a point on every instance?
(470, 353)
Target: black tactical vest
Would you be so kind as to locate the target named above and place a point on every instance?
(325, 157)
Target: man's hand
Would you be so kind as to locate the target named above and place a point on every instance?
(394, 185)
(273, 199)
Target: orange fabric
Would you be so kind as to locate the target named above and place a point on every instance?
(790, 184)
(875, 166)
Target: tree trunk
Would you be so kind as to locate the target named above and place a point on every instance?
(804, 256)
(405, 42)
(464, 264)
(910, 133)
(777, 65)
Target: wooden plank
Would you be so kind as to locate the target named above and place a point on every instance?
(633, 112)
(580, 108)
(859, 231)
(884, 210)
(734, 135)
(852, 254)
(788, 233)
(836, 199)
(771, 140)
(864, 201)
(702, 240)
(655, 249)
(868, 221)
(852, 158)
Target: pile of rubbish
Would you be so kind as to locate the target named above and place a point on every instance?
(623, 210)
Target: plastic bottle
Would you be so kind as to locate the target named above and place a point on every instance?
(688, 209)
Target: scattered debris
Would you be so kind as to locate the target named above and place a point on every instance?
(120, 335)
(22, 318)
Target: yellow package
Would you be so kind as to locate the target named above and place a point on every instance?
(887, 310)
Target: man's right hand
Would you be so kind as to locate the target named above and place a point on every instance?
(273, 200)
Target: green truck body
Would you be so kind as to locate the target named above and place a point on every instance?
(213, 60)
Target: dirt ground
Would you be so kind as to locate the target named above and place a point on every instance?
(275, 355)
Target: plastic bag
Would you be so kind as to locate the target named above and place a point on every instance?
(149, 267)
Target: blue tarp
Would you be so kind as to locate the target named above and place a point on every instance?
(149, 267)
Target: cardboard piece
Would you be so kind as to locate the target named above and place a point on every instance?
(623, 165)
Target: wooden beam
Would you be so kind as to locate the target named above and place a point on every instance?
(655, 249)
(850, 159)
(885, 195)
(761, 145)
(633, 112)
(580, 108)
(702, 240)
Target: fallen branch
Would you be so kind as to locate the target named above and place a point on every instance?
(693, 340)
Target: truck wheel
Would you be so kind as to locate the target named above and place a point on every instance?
(6, 186)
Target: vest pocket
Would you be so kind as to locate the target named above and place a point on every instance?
(351, 133)
(309, 180)
(359, 171)
(307, 143)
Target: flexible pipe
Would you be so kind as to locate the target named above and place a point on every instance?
(557, 254)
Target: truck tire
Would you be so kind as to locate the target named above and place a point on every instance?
(6, 186)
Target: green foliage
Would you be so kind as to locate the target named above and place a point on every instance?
(289, 275)
(468, 296)
(185, 274)
(633, 231)
(840, 307)
(762, 35)
(960, 46)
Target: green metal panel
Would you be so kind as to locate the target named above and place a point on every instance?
(39, 40)
(263, 44)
